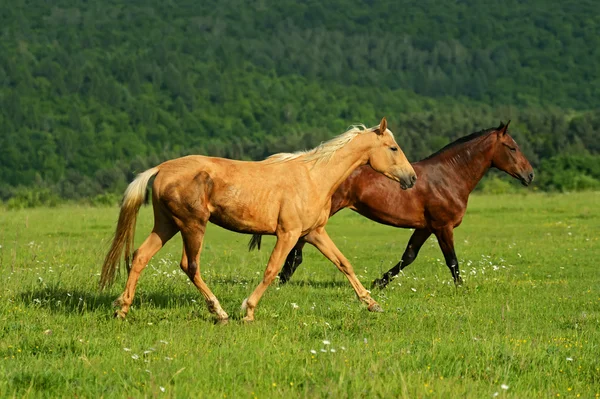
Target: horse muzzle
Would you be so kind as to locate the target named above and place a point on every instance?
(526, 178)
(407, 182)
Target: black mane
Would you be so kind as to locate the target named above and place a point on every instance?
(464, 139)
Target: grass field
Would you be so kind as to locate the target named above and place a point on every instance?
(525, 324)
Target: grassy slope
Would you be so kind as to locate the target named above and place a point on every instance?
(519, 325)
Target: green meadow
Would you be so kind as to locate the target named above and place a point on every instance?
(525, 324)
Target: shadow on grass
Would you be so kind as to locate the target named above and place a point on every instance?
(63, 300)
(235, 281)
(316, 284)
(67, 301)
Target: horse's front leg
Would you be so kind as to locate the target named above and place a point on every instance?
(321, 240)
(285, 242)
(410, 254)
(445, 238)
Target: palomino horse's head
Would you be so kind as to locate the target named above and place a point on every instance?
(387, 158)
(508, 157)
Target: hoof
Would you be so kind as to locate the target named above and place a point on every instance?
(379, 283)
(248, 320)
(221, 322)
(119, 314)
(222, 315)
(374, 307)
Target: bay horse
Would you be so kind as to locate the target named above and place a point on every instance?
(437, 203)
(286, 195)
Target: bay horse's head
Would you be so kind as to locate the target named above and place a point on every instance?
(387, 157)
(508, 157)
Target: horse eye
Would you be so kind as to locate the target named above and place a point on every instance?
(512, 149)
(394, 148)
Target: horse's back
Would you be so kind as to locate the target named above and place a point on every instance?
(242, 196)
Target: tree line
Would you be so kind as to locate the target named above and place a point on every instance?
(93, 92)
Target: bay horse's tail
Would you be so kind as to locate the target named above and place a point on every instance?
(125, 232)
(255, 242)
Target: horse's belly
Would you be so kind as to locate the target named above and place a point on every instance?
(240, 225)
(396, 219)
(244, 213)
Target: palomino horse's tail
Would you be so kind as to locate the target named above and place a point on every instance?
(125, 232)
(254, 242)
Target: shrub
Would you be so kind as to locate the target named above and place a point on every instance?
(496, 185)
(570, 173)
(106, 199)
(31, 198)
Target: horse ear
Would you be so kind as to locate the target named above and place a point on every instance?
(382, 126)
(505, 127)
(502, 128)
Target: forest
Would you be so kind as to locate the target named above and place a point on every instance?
(93, 92)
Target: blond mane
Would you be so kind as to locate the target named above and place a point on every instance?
(325, 150)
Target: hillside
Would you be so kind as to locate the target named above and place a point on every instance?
(91, 92)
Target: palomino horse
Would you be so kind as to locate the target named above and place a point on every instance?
(287, 195)
(435, 205)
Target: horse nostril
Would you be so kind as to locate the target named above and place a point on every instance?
(413, 179)
(531, 176)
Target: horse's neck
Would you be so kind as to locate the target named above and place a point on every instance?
(469, 162)
(328, 175)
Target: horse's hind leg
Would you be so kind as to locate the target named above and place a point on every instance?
(163, 231)
(293, 260)
(193, 238)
